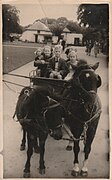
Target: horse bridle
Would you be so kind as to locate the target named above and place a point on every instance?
(78, 78)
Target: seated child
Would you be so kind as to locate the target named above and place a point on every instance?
(57, 66)
(38, 54)
(38, 59)
(68, 50)
(42, 59)
(72, 64)
(47, 54)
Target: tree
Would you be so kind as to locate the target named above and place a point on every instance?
(10, 20)
(62, 20)
(56, 29)
(95, 19)
(74, 27)
(94, 15)
(48, 21)
(55, 25)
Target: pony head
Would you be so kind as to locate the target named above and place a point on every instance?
(34, 105)
(86, 76)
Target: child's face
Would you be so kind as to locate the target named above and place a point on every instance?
(38, 52)
(57, 52)
(72, 58)
(47, 52)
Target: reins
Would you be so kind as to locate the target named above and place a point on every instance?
(72, 138)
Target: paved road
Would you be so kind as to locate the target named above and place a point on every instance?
(59, 162)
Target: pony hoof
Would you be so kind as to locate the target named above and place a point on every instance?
(26, 175)
(84, 173)
(37, 150)
(69, 148)
(75, 173)
(42, 171)
(22, 147)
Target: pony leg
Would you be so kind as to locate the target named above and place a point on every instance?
(22, 147)
(87, 149)
(29, 154)
(84, 170)
(76, 149)
(36, 146)
(42, 151)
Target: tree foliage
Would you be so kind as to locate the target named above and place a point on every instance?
(48, 20)
(10, 20)
(95, 19)
(57, 25)
(74, 27)
(94, 15)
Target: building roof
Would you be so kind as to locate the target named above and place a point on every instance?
(38, 26)
(66, 30)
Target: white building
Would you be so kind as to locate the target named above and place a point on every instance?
(37, 32)
(72, 38)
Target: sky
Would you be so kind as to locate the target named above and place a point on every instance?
(31, 12)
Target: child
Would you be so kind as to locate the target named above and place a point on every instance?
(72, 64)
(47, 53)
(42, 61)
(57, 66)
(38, 59)
(38, 54)
(68, 50)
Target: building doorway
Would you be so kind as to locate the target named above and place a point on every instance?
(76, 41)
(36, 38)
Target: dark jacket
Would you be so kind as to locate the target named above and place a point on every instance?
(43, 67)
(37, 61)
(62, 66)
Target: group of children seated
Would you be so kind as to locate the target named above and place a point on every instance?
(50, 64)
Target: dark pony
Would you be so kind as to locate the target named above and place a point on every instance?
(34, 111)
(80, 107)
(82, 111)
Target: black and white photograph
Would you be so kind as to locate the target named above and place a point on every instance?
(55, 89)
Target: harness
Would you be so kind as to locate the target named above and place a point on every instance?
(56, 104)
(93, 115)
(43, 112)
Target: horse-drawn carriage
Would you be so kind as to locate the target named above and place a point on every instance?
(48, 105)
